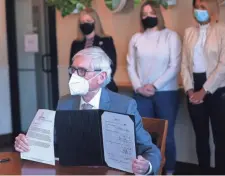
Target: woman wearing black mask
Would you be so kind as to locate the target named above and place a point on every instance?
(91, 33)
(153, 65)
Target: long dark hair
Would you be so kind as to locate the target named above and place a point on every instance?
(193, 3)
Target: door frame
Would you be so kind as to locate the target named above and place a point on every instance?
(13, 62)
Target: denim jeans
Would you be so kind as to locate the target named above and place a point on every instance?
(163, 105)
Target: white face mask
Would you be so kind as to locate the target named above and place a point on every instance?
(79, 85)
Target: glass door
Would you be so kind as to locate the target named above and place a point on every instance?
(37, 65)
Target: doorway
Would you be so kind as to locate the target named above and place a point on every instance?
(33, 65)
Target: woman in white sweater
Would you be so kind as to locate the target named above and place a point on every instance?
(153, 67)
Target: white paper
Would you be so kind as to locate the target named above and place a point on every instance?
(118, 141)
(41, 138)
(31, 43)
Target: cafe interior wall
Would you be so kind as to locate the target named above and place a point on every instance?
(121, 26)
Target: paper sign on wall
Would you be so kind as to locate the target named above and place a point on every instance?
(31, 43)
(171, 2)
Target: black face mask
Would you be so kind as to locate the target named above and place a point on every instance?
(149, 22)
(87, 28)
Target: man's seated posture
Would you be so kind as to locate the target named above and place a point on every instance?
(90, 74)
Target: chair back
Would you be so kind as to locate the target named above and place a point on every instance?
(158, 130)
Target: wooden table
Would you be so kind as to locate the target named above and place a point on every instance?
(16, 166)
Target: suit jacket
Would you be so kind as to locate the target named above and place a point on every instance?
(109, 101)
(214, 51)
(107, 45)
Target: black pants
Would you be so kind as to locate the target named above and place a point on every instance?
(212, 109)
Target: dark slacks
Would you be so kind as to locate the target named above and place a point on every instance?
(212, 109)
(163, 105)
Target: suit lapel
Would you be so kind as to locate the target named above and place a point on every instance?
(192, 40)
(104, 100)
(82, 44)
(208, 35)
(76, 103)
(96, 41)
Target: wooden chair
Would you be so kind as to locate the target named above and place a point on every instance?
(158, 130)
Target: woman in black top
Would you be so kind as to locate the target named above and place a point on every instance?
(91, 33)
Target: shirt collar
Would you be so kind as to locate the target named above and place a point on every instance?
(95, 101)
(204, 27)
(151, 32)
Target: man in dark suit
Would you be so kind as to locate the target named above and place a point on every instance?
(90, 74)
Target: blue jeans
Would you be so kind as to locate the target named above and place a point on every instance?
(163, 105)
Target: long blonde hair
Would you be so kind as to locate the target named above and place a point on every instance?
(158, 13)
(98, 25)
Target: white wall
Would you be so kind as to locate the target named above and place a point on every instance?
(5, 111)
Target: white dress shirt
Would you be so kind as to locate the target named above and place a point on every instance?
(95, 101)
(199, 60)
(154, 58)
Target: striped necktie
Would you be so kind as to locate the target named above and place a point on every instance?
(86, 106)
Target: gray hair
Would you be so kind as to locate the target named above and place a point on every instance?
(99, 61)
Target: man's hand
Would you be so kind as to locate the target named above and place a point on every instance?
(140, 166)
(197, 97)
(21, 143)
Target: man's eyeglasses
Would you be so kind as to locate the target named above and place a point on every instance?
(81, 71)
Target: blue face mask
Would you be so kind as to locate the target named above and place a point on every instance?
(201, 15)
